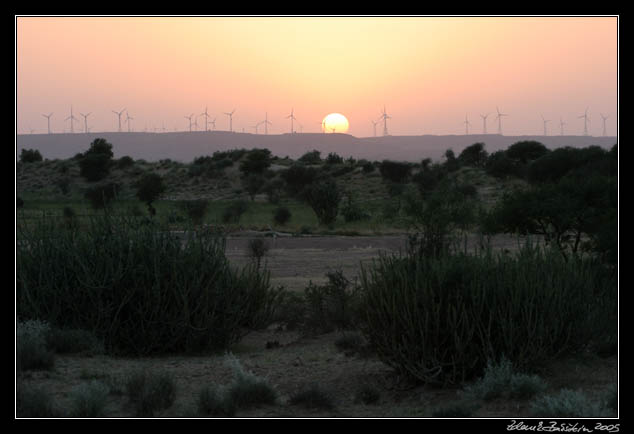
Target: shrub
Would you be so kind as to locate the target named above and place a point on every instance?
(247, 389)
(212, 401)
(101, 196)
(312, 396)
(150, 391)
(298, 177)
(34, 401)
(473, 155)
(253, 183)
(333, 305)
(125, 162)
(141, 288)
(94, 164)
(500, 380)
(352, 211)
(281, 215)
(368, 167)
(149, 188)
(256, 161)
(195, 209)
(394, 171)
(65, 341)
(89, 399)
(234, 211)
(334, 158)
(312, 157)
(526, 151)
(256, 249)
(440, 319)
(30, 156)
(32, 352)
(323, 197)
(567, 403)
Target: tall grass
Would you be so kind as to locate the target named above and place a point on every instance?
(139, 287)
(441, 319)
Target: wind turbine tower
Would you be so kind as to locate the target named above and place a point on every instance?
(585, 122)
(545, 122)
(292, 118)
(266, 123)
(499, 118)
(561, 125)
(48, 120)
(385, 117)
(206, 115)
(85, 121)
(213, 123)
(72, 119)
(466, 123)
(604, 119)
(484, 122)
(374, 126)
(190, 121)
(119, 115)
(230, 120)
(128, 118)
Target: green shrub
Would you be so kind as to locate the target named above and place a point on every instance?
(500, 380)
(567, 403)
(150, 391)
(312, 396)
(212, 401)
(281, 215)
(141, 288)
(323, 197)
(234, 211)
(440, 319)
(65, 341)
(32, 352)
(30, 156)
(247, 389)
(333, 306)
(89, 399)
(34, 401)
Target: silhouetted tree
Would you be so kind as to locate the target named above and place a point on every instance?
(149, 188)
(30, 156)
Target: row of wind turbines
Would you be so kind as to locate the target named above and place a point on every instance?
(500, 115)
(193, 121)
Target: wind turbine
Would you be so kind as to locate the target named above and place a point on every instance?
(585, 122)
(561, 125)
(292, 118)
(190, 121)
(604, 119)
(230, 120)
(266, 123)
(466, 123)
(128, 118)
(195, 123)
(374, 126)
(48, 119)
(213, 123)
(499, 118)
(85, 121)
(119, 115)
(385, 117)
(206, 115)
(545, 122)
(484, 122)
(72, 118)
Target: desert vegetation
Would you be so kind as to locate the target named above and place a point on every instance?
(126, 258)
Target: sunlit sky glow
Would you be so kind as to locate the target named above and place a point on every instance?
(429, 72)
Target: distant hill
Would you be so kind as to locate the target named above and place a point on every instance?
(185, 146)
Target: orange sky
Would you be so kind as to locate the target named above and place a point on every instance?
(429, 72)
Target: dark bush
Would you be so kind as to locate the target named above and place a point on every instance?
(125, 162)
(281, 215)
(334, 158)
(440, 319)
(323, 197)
(526, 151)
(30, 156)
(195, 209)
(473, 155)
(297, 178)
(256, 161)
(94, 164)
(312, 157)
(234, 211)
(101, 196)
(141, 288)
(149, 188)
(395, 171)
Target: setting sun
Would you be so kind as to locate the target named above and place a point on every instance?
(335, 123)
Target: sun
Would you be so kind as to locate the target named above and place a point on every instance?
(335, 123)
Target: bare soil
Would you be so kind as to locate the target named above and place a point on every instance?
(301, 360)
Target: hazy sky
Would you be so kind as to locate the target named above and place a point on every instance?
(429, 72)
